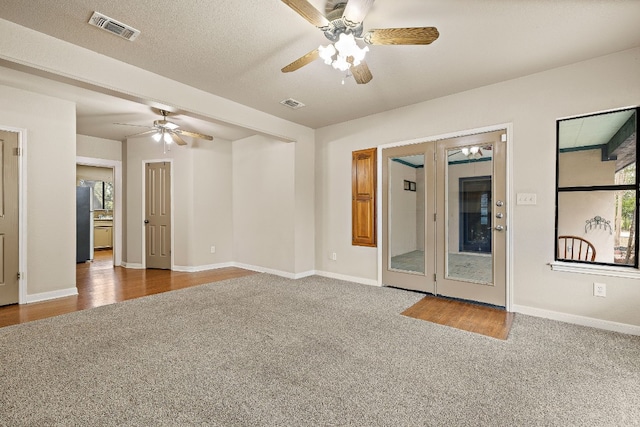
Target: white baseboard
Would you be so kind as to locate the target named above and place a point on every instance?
(304, 274)
(577, 320)
(44, 296)
(280, 273)
(370, 282)
(132, 265)
(195, 269)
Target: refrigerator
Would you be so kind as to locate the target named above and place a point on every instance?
(84, 224)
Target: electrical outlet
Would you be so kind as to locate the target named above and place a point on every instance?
(599, 289)
(333, 256)
(213, 249)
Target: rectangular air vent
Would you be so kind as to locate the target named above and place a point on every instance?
(292, 103)
(113, 26)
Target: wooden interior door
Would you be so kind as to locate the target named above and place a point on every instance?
(9, 258)
(158, 215)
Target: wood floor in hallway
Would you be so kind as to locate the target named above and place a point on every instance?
(100, 283)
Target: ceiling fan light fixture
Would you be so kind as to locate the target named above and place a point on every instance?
(165, 124)
(157, 136)
(344, 53)
(341, 63)
(327, 53)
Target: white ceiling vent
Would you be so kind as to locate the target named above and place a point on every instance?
(292, 103)
(113, 26)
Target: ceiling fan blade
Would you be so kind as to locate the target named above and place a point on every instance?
(177, 139)
(129, 124)
(308, 12)
(302, 61)
(146, 132)
(391, 36)
(193, 134)
(361, 73)
(355, 12)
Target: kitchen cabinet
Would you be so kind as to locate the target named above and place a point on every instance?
(102, 234)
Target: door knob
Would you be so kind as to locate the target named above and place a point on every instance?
(146, 221)
(499, 227)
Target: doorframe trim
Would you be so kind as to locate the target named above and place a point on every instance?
(144, 207)
(116, 165)
(508, 128)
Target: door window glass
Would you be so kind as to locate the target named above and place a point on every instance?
(468, 211)
(407, 213)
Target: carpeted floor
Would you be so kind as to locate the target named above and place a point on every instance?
(262, 350)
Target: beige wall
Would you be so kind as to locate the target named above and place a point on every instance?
(531, 104)
(98, 148)
(201, 200)
(403, 218)
(50, 186)
(264, 204)
(93, 173)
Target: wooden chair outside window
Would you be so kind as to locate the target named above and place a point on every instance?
(575, 248)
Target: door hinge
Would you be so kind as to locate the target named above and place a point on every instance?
(17, 151)
(19, 275)
(434, 157)
(435, 216)
(434, 277)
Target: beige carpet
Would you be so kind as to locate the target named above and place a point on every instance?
(267, 351)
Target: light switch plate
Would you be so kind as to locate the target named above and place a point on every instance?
(526, 199)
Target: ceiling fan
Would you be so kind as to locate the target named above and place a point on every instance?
(342, 25)
(167, 131)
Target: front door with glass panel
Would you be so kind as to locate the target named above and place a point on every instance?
(444, 217)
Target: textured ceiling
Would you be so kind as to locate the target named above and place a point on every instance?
(236, 49)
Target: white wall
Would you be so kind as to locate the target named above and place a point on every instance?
(50, 186)
(532, 104)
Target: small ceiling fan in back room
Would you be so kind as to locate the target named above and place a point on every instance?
(343, 25)
(166, 131)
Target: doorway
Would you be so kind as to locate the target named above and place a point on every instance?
(444, 217)
(157, 215)
(111, 223)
